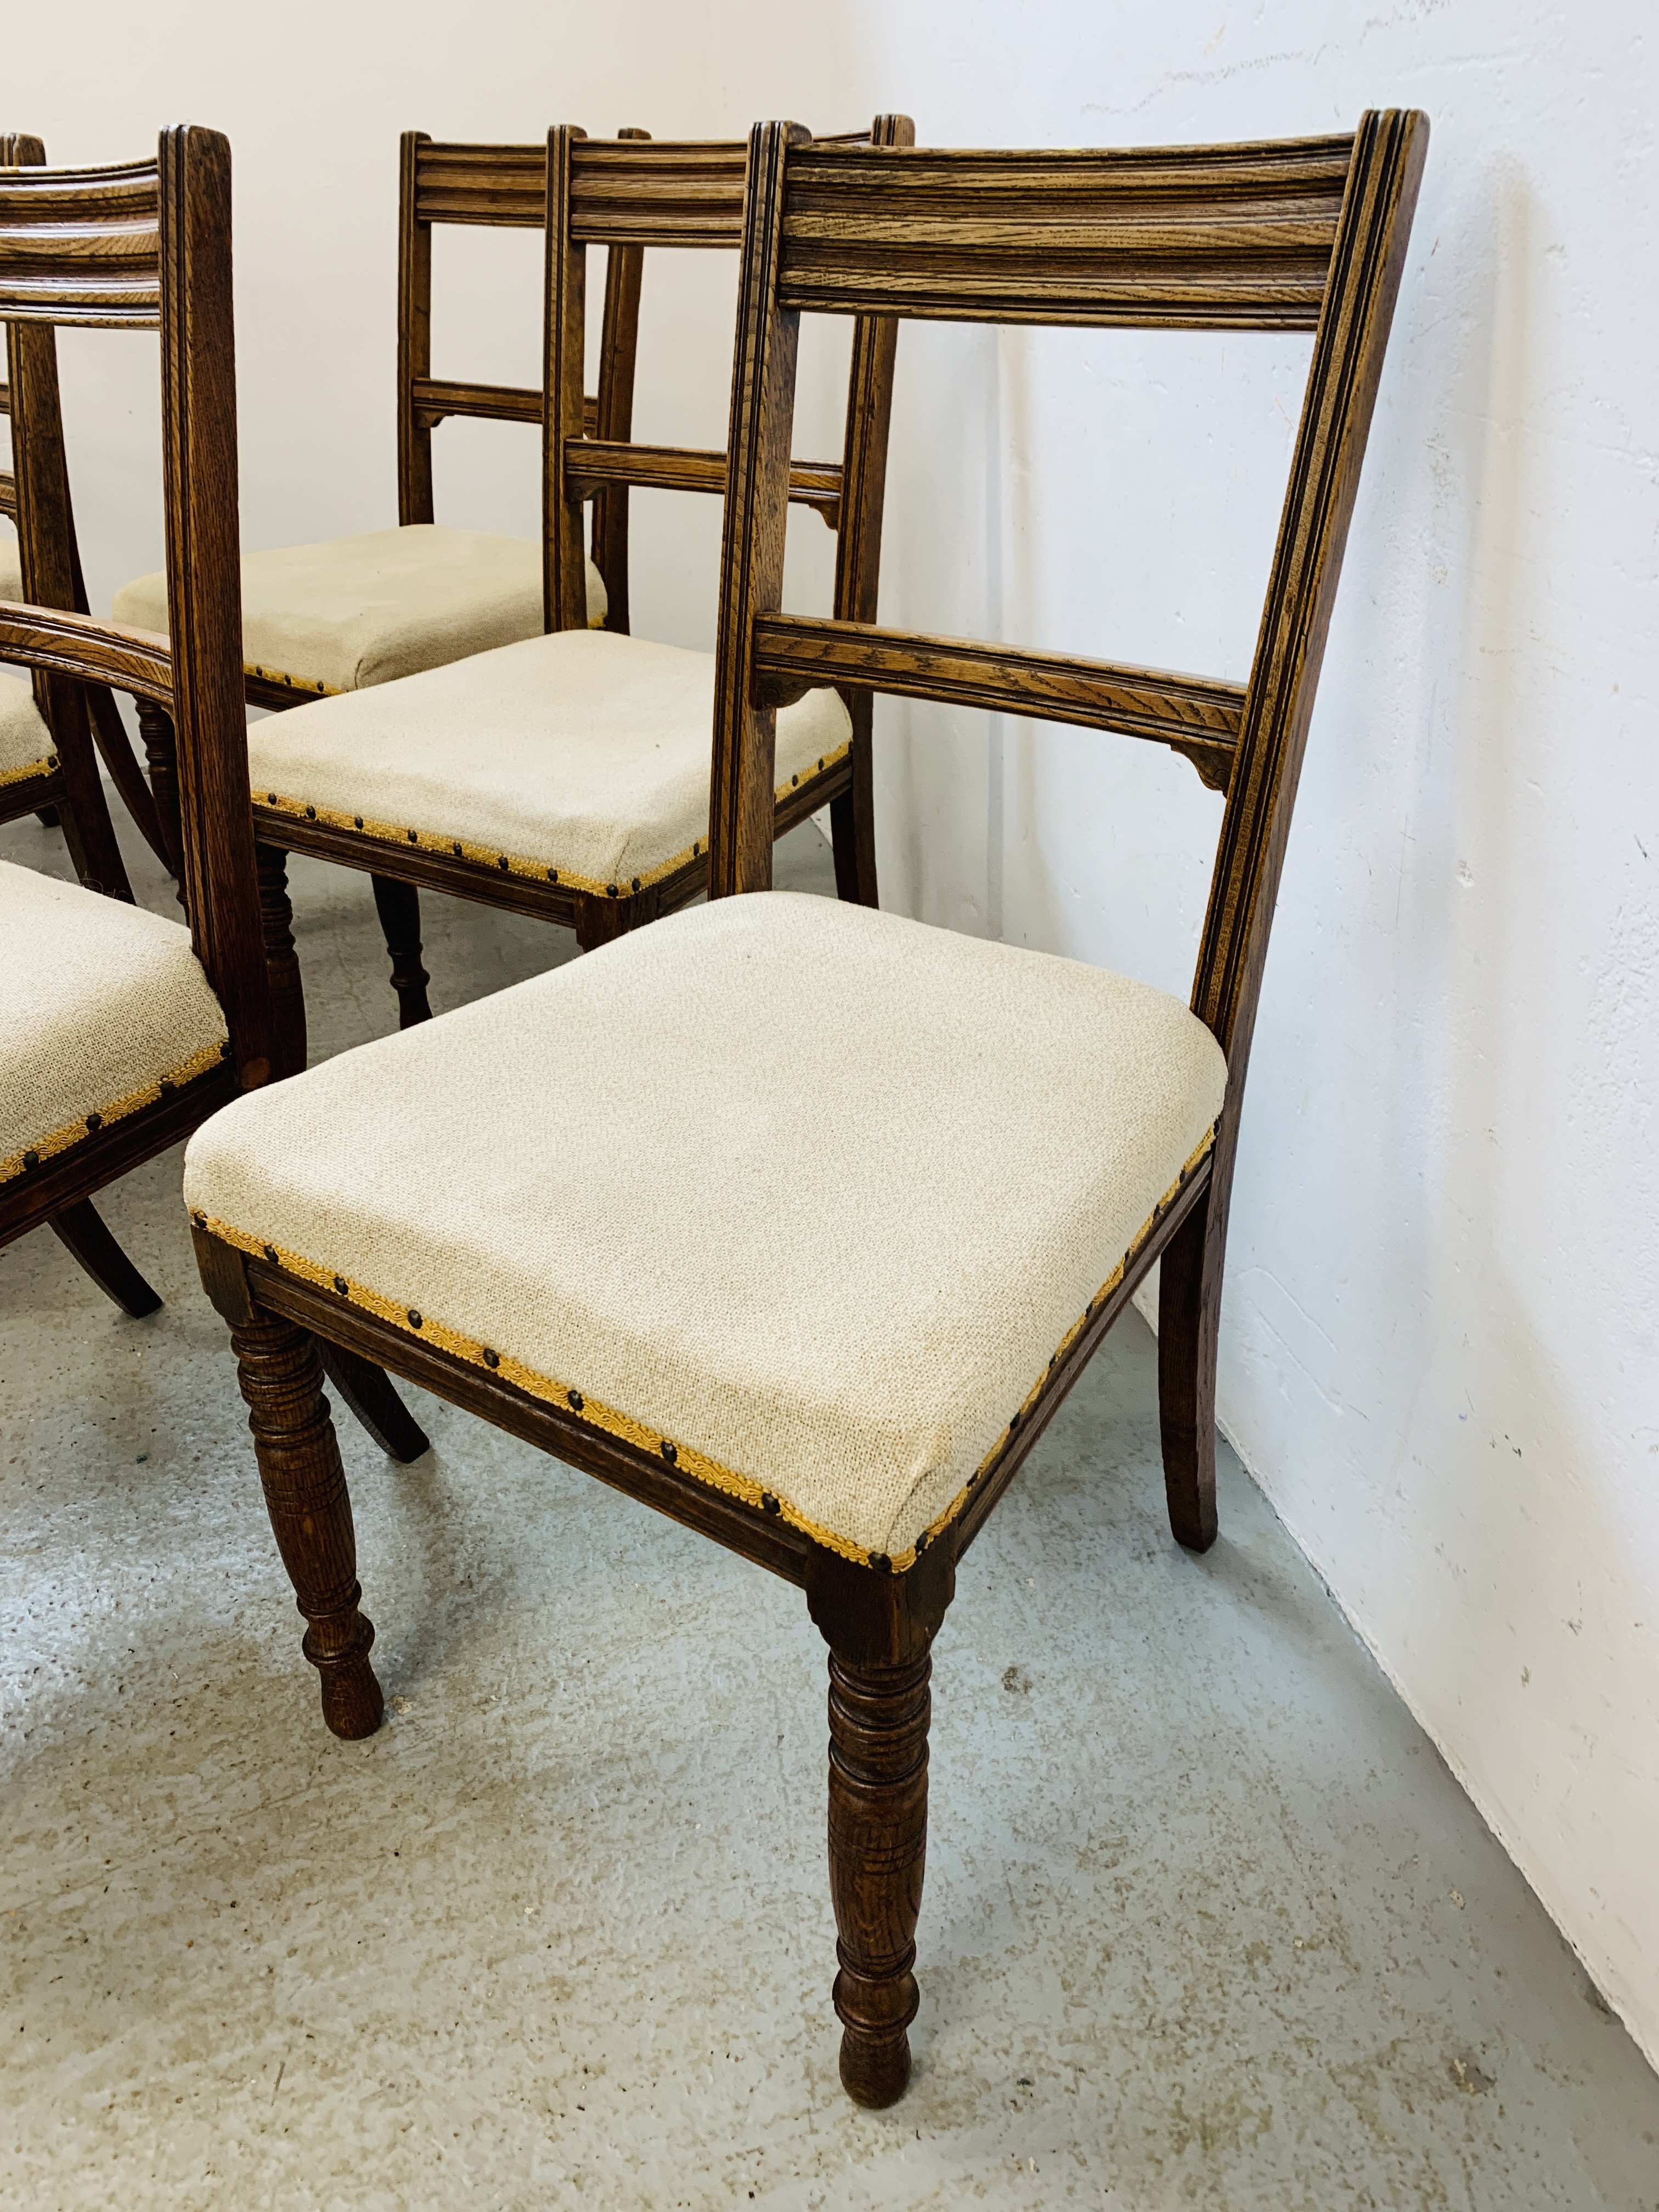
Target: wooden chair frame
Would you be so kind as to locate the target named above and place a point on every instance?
(146, 246)
(1308, 235)
(496, 187)
(625, 194)
(36, 495)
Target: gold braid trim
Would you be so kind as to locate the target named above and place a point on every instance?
(29, 770)
(651, 1440)
(1034, 1394)
(292, 683)
(534, 1385)
(514, 864)
(74, 1133)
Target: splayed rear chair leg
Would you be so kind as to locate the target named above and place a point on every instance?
(398, 905)
(372, 1395)
(81, 1230)
(1188, 1311)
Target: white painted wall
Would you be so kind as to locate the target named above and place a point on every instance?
(1439, 1354)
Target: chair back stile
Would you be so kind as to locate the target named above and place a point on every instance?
(146, 246)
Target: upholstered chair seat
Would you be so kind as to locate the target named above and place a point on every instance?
(356, 611)
(25, 740)
(104, 1009)
(580, 757)
(804, 1195)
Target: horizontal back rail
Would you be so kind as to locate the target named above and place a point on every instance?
(793, 654)
(81, 247)
(63, 644)
(437, 398)
(1215, 238)
(590, 464)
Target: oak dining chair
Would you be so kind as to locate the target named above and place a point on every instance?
(567, 776)
(46, 763)
(843, 1204)
(120, 1030)
(350, 612)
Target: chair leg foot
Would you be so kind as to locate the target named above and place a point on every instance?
(81, 1230)
(310, 1509)
(398, 905)
(878, 1719)
(1188, 1306)
(373, 1397)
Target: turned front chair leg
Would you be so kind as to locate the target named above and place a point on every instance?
(398, 905)
(1188, 1310)
(288, 1000)
(310, 1511)
(878, 1719)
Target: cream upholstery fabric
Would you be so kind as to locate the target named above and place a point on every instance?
(810, 1191)
(25, 740)
(363, 611)
(580, 751)
(11, 565)
(99, 1003)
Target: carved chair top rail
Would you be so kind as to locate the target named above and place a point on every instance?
(663, 191)
(81, 247)
(503, 186)
(1224, 237)
(697, 188)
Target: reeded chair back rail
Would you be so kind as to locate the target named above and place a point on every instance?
(49, 559)
(146, 246)
(1309, 236)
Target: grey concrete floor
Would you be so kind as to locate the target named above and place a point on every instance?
(1208, 1922)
